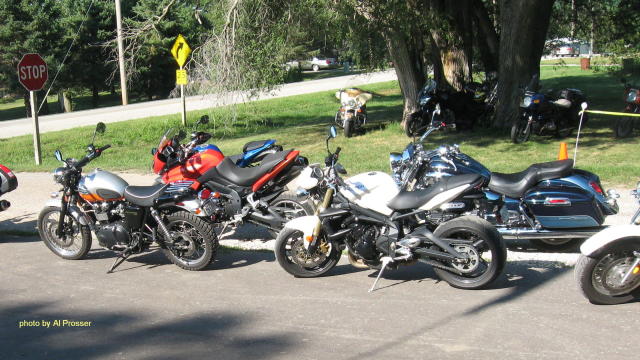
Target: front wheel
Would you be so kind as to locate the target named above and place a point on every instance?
(348, 128)
(521, 130)
(413, 124)
(623, 127)
(600, 277)
(76, 241)
(194, 242)
(297, 261)
(482, 243)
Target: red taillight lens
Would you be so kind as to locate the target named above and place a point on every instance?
(328, 62)
(205, 194)
(594, 185)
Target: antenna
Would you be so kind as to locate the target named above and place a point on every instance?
(575, 152)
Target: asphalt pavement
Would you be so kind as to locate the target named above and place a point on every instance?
(48, 123)
(245, 306)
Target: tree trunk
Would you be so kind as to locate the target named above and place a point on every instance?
(524, 29)
(487, 38)
(408, 69)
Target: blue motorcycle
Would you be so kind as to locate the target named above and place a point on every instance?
(551, 204)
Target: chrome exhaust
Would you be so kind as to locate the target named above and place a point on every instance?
(527, 234)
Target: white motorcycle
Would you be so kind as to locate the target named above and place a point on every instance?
(608, 271)
(383, 227)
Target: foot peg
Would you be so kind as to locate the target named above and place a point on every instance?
(385, 261)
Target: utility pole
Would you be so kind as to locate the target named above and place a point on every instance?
(123, 73)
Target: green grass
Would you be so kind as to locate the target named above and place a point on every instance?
(596, 60)
(301, 122)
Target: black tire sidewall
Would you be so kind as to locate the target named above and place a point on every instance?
(294, 269)
(85, 233)
(209, 235)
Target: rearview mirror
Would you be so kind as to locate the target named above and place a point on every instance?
(204, 120)
(154, 151)
(333, 132)
(181, 135)
(58, 155)
(100, 128)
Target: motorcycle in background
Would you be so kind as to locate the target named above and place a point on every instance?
(464, 108)
(624, 126)
(352, 115)
(126, 219)
(550, 204)
(8, 182)
(545, 114)
(608, 270)
(382, 227)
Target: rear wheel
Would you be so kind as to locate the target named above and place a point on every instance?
(521, 130)
(600, 277)
(289, 206)
(623, 127)
(297, 261)
(76, 241)
(194, 243)
(482, 243)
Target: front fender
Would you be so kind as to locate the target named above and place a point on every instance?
(74, 210)
(607, 236)
(306, 224)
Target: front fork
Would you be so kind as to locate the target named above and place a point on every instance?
(64, 205)
(634, 270)
(326, 202)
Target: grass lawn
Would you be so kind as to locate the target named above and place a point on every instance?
(301, 122)
(596, 60)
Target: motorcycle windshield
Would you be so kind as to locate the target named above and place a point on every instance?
(166, 138)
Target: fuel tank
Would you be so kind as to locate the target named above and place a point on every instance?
(205, 158)
(371, 190)
(101, 185)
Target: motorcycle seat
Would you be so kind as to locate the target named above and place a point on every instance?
(143, 195)
(516, 184)
(408, 200)
(563, 103)
(247, 176)
(252, 145)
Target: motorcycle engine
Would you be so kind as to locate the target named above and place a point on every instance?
(363, 241)
(113, 235)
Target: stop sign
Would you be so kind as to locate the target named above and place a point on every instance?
(32, 72)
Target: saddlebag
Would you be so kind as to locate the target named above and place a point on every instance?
(559, 204)
(8, 181)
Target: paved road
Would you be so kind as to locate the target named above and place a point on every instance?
(57, 122)
(245, 306)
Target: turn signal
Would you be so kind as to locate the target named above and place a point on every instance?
(636, 269)
(309, 238)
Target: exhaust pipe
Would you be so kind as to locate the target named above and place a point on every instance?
(4, 205)
(527, 234)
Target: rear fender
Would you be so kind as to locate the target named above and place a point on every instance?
(74, 210)
(306, 224)
(608, 236)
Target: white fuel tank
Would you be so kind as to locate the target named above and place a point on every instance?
(371, 190)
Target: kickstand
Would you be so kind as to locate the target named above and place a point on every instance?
(119, 260)
(385, 261)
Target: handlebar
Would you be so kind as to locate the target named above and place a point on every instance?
(94, 153)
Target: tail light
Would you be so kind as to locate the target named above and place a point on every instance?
(328, 62)
(594, 185)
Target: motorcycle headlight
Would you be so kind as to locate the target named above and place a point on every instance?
(58, 175)
(632, 96)
(526, 102)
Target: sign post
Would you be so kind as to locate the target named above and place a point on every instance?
(180, 52)
(32, 74)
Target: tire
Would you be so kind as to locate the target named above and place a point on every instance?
(196, 238)
(412, 125)
(474, 229)
(521, 130)
(348, 128)
(623, 127)
(290, 206)
(289, 249)
(71, 249)
(589, 271)
(555, 245)
(315, 67)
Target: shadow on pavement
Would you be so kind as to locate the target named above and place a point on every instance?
(127, 334)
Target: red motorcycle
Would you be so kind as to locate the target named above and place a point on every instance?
(8, 182)
(624, 126)
(227, 193)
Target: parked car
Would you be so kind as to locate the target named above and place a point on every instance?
(315, 63)
(566, 50)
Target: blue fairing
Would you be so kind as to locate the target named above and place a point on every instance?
(248, 157)
(205, 147)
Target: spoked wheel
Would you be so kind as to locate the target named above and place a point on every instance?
(600, 278)
(297, 261)
(483, 245)
(194, 243)
(75, 243)
(413, 125)
(624, 127)
(521, 130)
